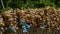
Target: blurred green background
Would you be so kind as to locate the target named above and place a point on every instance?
(24, 4)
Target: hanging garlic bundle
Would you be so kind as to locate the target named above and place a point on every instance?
(44, 18)
(1, 24)
(10, 20)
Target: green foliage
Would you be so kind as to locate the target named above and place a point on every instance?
(24, 4)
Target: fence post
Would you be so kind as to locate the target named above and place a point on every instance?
(2, 4)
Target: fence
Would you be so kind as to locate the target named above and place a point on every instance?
(33, 30)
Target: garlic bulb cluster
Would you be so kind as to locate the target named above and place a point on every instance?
(42, 18)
